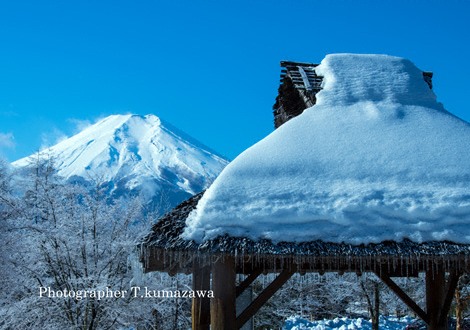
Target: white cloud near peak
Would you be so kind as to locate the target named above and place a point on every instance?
(7, 140)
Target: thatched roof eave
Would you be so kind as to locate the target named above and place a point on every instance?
(164, 249)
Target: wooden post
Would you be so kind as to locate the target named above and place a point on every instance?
(435, 296)
(376, 314)
(200, 311)
(223, 308)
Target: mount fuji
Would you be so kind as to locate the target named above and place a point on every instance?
(135, 154)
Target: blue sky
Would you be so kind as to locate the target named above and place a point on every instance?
(211, 68)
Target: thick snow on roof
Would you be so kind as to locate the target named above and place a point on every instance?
(377, 158)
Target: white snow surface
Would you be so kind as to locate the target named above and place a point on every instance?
(345, 323)
(377, 158)
(136, 149)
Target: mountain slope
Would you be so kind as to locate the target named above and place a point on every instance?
(139, 154)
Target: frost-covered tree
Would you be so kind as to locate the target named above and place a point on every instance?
(68, 239)
(8, 210)
(462, 299)
(6, 198)
(381, 301)
(371, 289)
(311, 296)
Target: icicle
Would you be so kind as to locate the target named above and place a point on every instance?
(136, 269)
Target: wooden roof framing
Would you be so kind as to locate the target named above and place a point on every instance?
(299, 85)
(302, 75)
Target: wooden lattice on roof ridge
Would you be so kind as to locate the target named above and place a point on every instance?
(299, 85)
(303, 75)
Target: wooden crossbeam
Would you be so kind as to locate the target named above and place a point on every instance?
(403, 296)
(291, 63)
(263, 297)
(247, 281)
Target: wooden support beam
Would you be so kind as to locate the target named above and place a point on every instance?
(435, 286)
(403, 296)
(439, 294)
(223, 308)
(449, 295)
(263, 297)
(200, 310)
(247, 281)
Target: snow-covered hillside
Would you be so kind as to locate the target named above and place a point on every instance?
(136, 153)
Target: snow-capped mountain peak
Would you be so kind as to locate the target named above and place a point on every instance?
(136, 152)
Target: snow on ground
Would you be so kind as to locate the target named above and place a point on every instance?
(377, 151)
(344, 323)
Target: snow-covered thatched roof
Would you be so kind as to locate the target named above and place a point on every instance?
(377, 158)
(377, 167)
(167, 235)
(165, 249)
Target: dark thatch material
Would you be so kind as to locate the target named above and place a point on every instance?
(165, 243)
